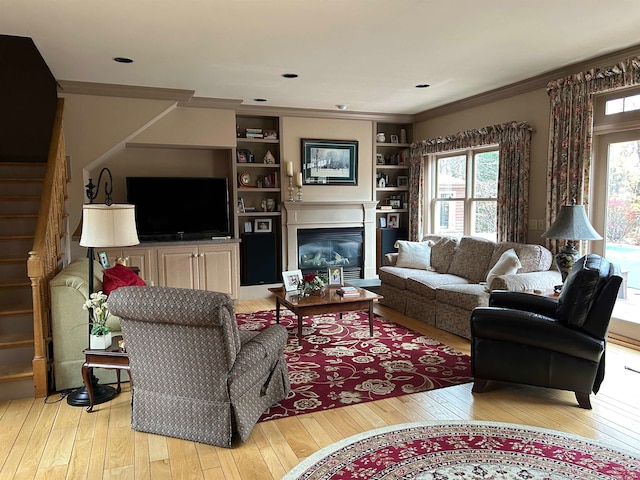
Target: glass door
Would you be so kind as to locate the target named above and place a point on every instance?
(617, 213)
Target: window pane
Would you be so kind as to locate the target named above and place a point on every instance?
(486, 175)
(449, 217)
(485, 219)
(451, 177)
(632, 103)
(614, 106)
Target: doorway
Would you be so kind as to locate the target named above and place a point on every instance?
(616, 209)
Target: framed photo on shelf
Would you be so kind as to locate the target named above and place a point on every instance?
(393, 220)
(248, 227)
(329, 162)
(394, 138)
(241, 205)
(335, 276)
(395, 203)
(242, 155)
(379, 159)
(104, 260)
(262, 225)
(291, 279)
(403, 181)
(383, 222)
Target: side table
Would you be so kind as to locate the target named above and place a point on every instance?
(112, 358)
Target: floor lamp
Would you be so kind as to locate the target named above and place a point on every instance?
(104, 225)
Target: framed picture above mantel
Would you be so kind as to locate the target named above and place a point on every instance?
(329, 162)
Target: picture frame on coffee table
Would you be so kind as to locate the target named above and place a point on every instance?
(335, 276)
(291, 279)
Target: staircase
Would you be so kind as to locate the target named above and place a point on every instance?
(21, 188)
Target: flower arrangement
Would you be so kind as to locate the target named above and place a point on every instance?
(97, 303)
(312, 282)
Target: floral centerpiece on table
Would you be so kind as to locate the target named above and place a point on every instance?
(312, 283)
(97, 304)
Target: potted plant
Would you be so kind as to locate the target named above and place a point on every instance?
(312, 284)
(100, 336)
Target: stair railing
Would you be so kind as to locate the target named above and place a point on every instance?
(44, 258)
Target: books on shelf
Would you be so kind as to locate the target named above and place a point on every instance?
(348, 292)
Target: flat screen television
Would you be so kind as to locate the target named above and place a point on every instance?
(177, 208)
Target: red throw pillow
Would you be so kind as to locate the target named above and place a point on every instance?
(120, 276)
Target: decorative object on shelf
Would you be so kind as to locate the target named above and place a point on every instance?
(394, 138)
(299, 185)
(248, 228)
(335, 276)
(383, 222)
(379, 159)
(382, 181)
(330, 162)
(290, 176)
(262, 225)
(380, 137)
(244, 179)
(270, 134)
(259, 182)
(104, 225)
(403, 181)
(241, 205)
(269, 158)
(393, 220)
(312, 284)
(271, 205)
(571, 224)
(291, 279)
(263, 205)
(242, 155)
(403, 135)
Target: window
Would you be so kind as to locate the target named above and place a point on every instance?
(624, 104)
(465, 186)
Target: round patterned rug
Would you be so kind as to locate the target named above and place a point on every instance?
(469, 450)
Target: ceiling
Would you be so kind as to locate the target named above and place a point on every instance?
(366, 54)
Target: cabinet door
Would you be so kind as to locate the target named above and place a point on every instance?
(141, 257)
(177, 267)
(218, 268)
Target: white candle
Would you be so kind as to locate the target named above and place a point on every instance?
(299, 182)
(289, 169)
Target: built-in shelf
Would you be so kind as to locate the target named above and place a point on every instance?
(258, 164)
(256, 140)
(259, 214)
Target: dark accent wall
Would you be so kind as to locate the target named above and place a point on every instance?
(28, 98)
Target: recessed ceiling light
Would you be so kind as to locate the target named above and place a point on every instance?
(342, 107)
(422, 85)
(290, 75)
(259, 99)
(122, 60)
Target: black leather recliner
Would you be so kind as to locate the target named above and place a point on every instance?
(538, 340)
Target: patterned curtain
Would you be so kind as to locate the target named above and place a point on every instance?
(416, 196)
(571, 132)
(514, 141)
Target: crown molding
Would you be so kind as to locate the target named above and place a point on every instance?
(527, 85)
(126, 91)
(205, 102)
(258, 110)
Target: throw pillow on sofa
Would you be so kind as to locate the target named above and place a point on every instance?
(414, 254)
(120, 276)
(507, 264)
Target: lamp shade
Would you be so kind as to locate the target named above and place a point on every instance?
(572, 224)
(108, 225)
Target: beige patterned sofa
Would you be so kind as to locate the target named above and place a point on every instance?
(440, 280)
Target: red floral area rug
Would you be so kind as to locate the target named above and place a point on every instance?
(339, 364)
(469, 450)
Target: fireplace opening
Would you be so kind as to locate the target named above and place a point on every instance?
(321, 248)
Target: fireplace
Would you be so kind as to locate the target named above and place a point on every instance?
(340, 215)
(320, 248)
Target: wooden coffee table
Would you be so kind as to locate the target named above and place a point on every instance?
(328, 302)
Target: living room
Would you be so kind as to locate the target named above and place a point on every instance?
(137, 130)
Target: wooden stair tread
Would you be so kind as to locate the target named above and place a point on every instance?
(15, 310)
(16, 340)
(9, 198)
(24, 164)
(12, 259)
(11, 373)
(21, 180)
(17, 216)
(16, 237)
(15, 284)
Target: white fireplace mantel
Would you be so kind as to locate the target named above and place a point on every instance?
(339, 214)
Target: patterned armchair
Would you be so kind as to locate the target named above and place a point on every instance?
(196, 376)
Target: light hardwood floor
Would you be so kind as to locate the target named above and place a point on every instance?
(51, 440)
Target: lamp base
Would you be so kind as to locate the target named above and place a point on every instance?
(565, 259)
(101, 394)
